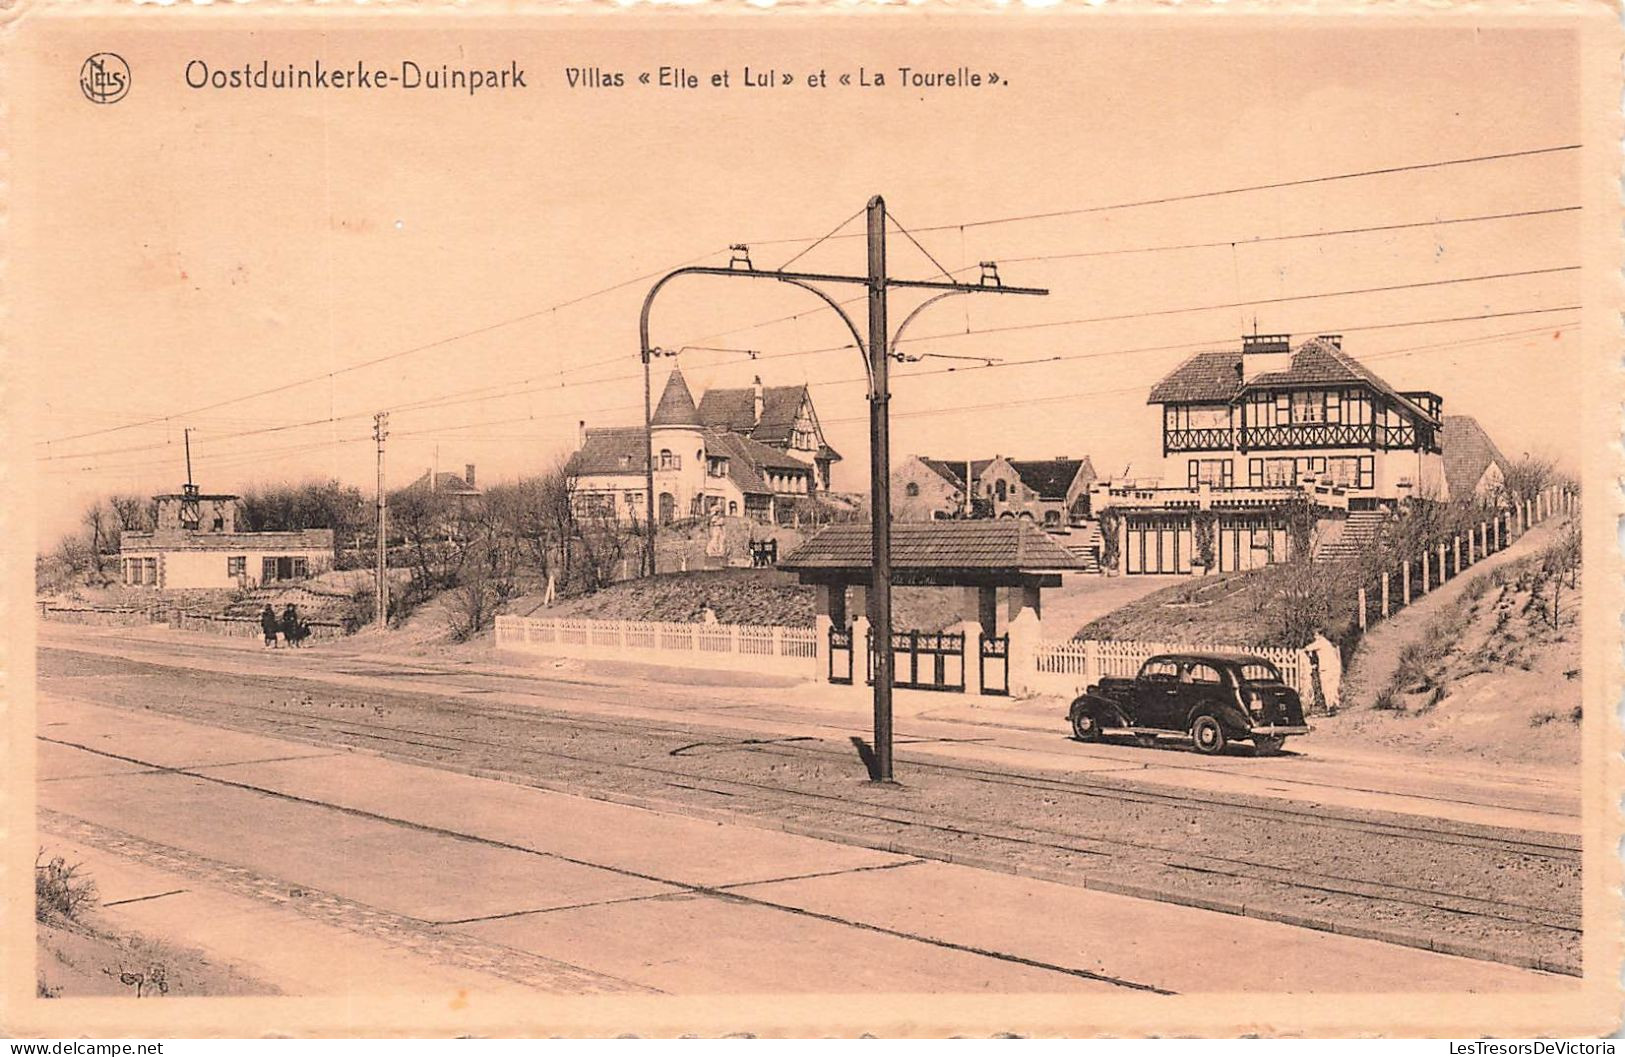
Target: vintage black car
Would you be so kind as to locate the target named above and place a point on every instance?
(1210, 698)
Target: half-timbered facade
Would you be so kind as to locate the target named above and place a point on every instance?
(1247, 432)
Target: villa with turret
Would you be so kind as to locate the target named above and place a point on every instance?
(754, 452)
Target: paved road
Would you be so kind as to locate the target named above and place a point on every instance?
(1020, 736)
(443, 881)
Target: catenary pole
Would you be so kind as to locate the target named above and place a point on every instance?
(648, 458)
(880, 490)
(380, 430)
(877, 353)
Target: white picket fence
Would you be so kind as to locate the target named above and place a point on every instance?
(1072, 666)
(749, 647)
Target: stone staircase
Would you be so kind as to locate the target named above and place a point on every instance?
(1084, 544)
(1359, 529)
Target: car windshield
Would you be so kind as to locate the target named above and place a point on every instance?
(1259, 672)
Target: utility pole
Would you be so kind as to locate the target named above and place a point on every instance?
(877, 352)
(380, 431)
(880, 488)
(648, 465)
(186, 436)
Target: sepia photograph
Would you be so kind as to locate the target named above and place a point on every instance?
(812, 522)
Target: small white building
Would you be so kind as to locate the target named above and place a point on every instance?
(196, 545)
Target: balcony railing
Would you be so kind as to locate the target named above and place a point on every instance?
(1309, 435)
(1305, 435)
(1207, 438)
(1206, 497)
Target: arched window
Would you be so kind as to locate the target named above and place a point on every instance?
(913, 489)
(733, 508)
(667, 462)
(1001, 491)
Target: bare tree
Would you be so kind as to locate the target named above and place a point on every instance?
(1528, 477)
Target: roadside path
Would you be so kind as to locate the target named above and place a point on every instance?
(505, 880)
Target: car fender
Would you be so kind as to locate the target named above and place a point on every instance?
(1106, 711)
(1235, 721)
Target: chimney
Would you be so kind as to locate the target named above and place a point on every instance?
(581, 433)
(469, 474)
(756, 386)
(1334, 340)
(1264, 354)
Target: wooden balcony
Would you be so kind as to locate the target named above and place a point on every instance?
(1210, 438)
(1313, 435)
(1206, 497)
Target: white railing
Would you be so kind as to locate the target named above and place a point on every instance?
(750, 647)
(1073, 666)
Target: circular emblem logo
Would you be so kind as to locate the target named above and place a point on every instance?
(104, 78)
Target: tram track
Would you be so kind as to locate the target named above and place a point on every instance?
(1452, 886)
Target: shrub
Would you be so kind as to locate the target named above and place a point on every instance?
(60, 890)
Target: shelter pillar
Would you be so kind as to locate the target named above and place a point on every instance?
(972, 656)
(824, 604)
(1026, 633)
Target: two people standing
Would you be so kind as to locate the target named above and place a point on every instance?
(294, 631)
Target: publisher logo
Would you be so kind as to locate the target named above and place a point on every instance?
(104, 78)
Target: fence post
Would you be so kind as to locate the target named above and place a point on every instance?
(1441, 565)
(1425, 582)
(1362, 609)
(1457, 543)
(1386, 576)
(1405, 581)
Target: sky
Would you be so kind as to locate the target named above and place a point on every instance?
(182, 250)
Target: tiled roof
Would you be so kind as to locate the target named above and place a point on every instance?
(747, 458)
(1215, 377)
(1468, 452)
(1050, 478)
(1007, 545)
(611, 450)
(449, 483)
(676, 407)
(735, 410)
(1207, 377)
(953, 471)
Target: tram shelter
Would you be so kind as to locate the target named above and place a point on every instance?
(985, 560)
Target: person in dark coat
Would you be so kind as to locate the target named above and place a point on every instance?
(291, 625)
(268, 623)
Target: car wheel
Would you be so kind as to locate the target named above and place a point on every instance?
(1268, 745)
(1208, 734)
(1084, 726)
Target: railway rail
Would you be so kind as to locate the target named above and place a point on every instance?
(1502, 895)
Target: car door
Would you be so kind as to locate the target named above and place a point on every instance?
(1157, 694)
(1203, 684)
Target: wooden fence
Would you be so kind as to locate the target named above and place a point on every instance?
(1443, 560)
(1069, 668)
(751, 647)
